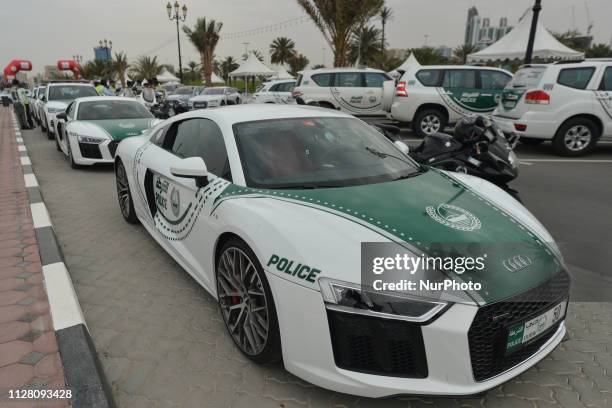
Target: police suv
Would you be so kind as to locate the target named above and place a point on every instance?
(569, 103)
(432, 97)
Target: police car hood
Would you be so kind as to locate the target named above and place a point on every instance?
(324, 228)
(59, 104)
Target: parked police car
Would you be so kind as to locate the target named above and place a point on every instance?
(569, 103)
(432, 97)
(277, 91)
(56, 99)
(352, 90)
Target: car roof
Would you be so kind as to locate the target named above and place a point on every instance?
(105, 98)
(330, 70)
(69, 83)
(458, 67)
(253, 112)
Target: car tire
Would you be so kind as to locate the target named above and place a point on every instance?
(429, 121)
(530, 141)
(232, 277)
(124, 195)
(57, 146)
(576, 137)
(50, 134)
(73, 164)
(43, 126)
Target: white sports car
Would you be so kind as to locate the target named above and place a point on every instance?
(90, 129)
(214, 97)
(268, 206)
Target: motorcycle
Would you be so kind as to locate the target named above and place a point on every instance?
(478, 148)
(156, 103)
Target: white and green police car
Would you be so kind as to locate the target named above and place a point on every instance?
(432, 97)
(267, 207)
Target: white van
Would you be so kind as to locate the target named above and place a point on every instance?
(432, 97)
(357, 91)
(569, 103)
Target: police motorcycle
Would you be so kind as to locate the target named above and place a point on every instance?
(478, 148)
(155, 103)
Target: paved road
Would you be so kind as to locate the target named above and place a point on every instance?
(163, 344)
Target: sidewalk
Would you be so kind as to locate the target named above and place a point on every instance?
(29, 357)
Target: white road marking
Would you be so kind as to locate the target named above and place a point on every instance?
(63, 301)
(25, 161)
(40, 215)
(22, 148)
(19, 139)
(30, 180)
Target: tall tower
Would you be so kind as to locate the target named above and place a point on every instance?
(470, 25)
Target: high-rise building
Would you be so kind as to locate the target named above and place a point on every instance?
(480, 33)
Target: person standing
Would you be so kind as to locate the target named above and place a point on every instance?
(99, 87)
(18, 105)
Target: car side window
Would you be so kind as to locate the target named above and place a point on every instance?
(577, 78)
(323, 79)
(275, 88)
(201, 138)
(375, 79)
(493, 79)
(348, 80)
(429, 77)
(459, 78)
(606, 82)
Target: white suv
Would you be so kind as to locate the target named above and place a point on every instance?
(569, 103)
(56, 99)
(432, 97)
(357, 91)
(278, 91)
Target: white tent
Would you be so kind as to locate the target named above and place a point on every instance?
(216, 79)
(514, 45)
(411, 61)
(281, 73)
(252, 67)
(166, 77)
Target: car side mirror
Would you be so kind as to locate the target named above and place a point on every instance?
(44, 99)
(403, 147)
(62, 116)
(192, 167)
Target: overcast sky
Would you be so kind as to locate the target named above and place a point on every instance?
(44, 31)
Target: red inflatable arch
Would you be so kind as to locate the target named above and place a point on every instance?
(11, 70)
(69, 65)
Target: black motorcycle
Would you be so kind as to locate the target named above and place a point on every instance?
(478, 148)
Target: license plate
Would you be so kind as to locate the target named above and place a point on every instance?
(509, 104)
(522, 333)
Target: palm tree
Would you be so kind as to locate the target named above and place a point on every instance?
(461, 53)
(281, 50)
(365, 46)
(298, 63)
(205, 37)
(338, 20)
(193, 66)
(121, 66)
(228, 65)
(429, 56)
(599, 51)
(146, 67)
(385, 14)
(96, 69)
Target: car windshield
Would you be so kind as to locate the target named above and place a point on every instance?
(213, 91)
(70, 92)
(526, 78)
(183, 91)
(103, 110)
(317, 153)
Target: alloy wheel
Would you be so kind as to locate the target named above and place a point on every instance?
(577, 138)
(122, 190)
(243, 301)
(430, 124)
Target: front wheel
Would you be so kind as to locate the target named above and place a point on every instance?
(428, 122)
(124, 195)
(576, 137)
(246, 303)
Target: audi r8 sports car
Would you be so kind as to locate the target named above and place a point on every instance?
(267, 207)
(91, 128)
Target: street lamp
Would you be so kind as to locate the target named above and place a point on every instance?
(534, 25)
(173, 15)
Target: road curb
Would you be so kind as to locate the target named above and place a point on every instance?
(82, 369)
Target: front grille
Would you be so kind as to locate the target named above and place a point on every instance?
(377, 346)
(488, 336)
(112, 147)
(90, 151)
(200, 105)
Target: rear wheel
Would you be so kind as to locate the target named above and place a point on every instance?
(123, 194)
(246, 303)
(429, 121)
(576, 137)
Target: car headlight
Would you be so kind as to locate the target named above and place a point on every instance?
(91, 140)
(352, 298)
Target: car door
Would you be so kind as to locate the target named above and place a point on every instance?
(492, 84)
(348, 91)
(604, 98)
(374, 82)
(63, 125)
(179, 210)
(461, 93)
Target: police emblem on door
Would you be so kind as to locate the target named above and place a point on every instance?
(175, 202)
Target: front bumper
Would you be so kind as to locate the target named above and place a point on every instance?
(88, 154)
(308, 350)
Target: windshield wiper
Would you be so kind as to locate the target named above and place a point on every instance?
(383, 155)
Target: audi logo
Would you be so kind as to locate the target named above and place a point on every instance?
(517, 263)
